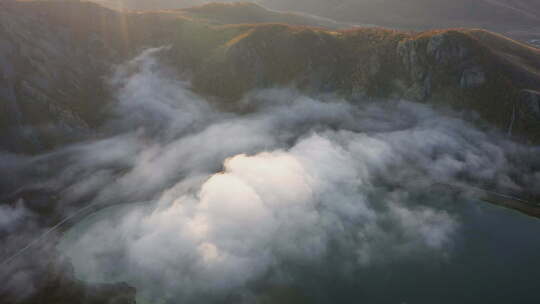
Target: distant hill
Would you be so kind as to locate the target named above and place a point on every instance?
(247, 12)
(494, 14)
(517, 18)
(224, 12)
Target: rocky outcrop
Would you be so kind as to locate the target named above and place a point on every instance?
(467, 70)
(472, 77)
(445, 48)
(525, 117)
(530, 105)
(475, 70)
(443, 59)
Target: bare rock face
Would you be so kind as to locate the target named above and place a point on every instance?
(472, 77)
(444, 50)
(442, 60)
(525, 116)
(526, 113)
(410, 52)
(530, 104)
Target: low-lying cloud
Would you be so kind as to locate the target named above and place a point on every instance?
(209, 205)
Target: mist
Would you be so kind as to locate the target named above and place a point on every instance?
(324, 198)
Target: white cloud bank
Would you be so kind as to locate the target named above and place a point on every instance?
(236, 201)
(300, 180)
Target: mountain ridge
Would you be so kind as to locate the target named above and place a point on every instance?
(463, 68)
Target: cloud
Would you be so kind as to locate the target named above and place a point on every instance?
(261, 211)
(203, 204)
